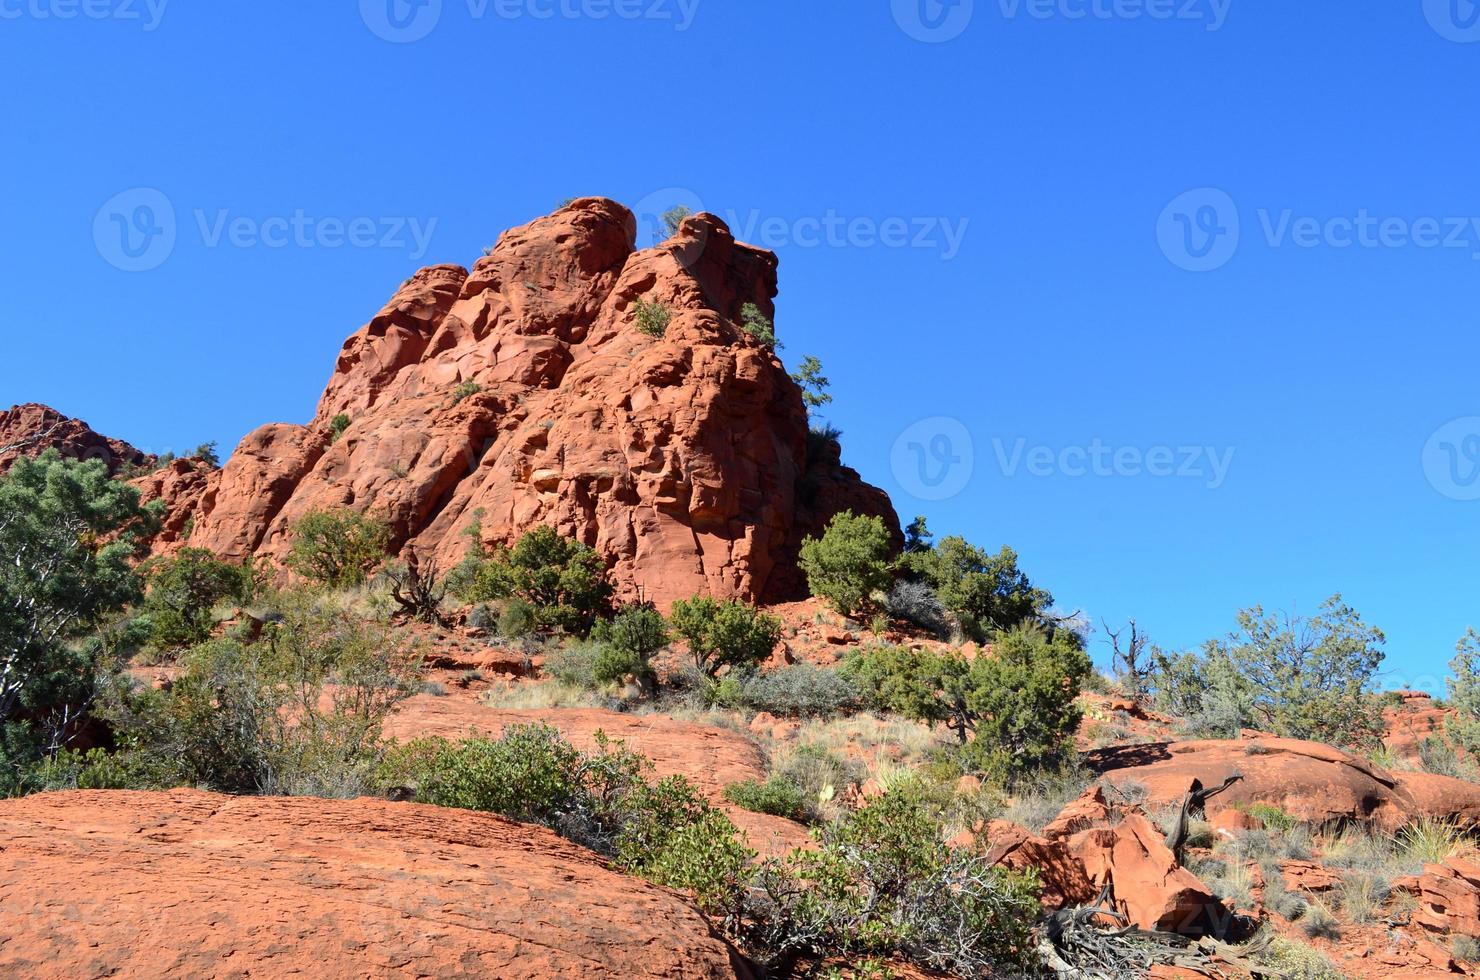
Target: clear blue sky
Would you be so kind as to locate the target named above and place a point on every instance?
(1055, 146)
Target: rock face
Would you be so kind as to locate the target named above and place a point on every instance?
(29, 430)
(1148, 886)
(194, 884)
(1313, 783)
(1449, 898)
(523, 393)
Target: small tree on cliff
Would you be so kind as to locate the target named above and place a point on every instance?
(850, 562)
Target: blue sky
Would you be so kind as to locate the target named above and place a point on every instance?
(1073, 243)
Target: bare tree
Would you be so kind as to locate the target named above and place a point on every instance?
(1130, 664)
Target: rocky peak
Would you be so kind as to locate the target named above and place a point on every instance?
(523, 393)
(31, 429)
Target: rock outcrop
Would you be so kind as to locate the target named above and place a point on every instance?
(1449, 898)
(133, 885)
(523, 393)
(29, 430)
(1313, 783)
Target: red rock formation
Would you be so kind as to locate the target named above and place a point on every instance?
(134, 885)
(522, 393)
(1313, 783)
(1449, 898)
(29, 430)
(1148, 886)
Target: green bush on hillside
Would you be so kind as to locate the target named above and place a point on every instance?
(721, 635)
(850, 562)
(337, 547)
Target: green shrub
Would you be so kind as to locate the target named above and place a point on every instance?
(337, 425)
(628, 642)
(1014, 711)
(850, 562)
(1303, 678)
(337, 548)
(799, 690)
(561, 578)
(665, 832)
(722, 635)
(574, 664)
(464, 391)
(1296, 961)
(674, 217)
(517, 620)
(777, 796)
(183, 591)
(813, 383)
(652, 318)
(299, 712)
(985, 592)
(882, 882)
(1272, 817)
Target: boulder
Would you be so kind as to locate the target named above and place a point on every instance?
(137, 885)
(1312, 782)
(1148, 886)
(1449, 898)
(522, 393)
(1088, 811)
(1065, 882)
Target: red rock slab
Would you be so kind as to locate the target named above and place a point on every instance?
(191, 884)
(1449, 898)
(1312, 782)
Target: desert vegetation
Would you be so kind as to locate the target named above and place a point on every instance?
(958, 707)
